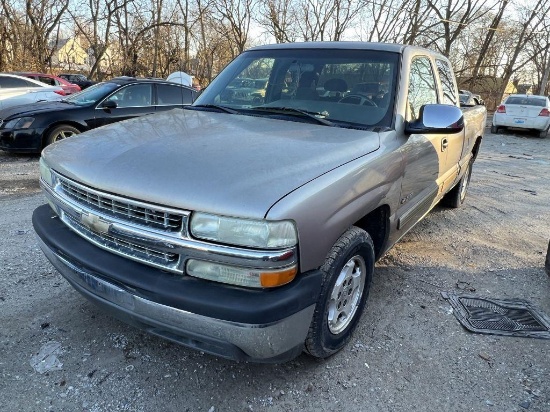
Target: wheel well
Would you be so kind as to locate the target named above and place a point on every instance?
(53, 126)
(376, 224)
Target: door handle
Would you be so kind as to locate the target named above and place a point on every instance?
(444, 144)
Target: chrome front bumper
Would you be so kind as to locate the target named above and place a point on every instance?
(271, 342)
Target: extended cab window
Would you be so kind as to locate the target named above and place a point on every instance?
(447, 82)
(422, 86)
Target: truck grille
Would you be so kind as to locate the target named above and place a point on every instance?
(136, 212)
(125, 248)
(136, 215)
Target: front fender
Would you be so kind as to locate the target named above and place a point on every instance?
(327, 206)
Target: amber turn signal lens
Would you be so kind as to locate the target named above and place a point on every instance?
(279, 278)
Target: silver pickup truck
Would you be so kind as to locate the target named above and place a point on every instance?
(248, 225)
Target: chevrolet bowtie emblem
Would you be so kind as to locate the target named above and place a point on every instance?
(94, 223)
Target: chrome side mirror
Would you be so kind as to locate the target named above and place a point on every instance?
(437, 118)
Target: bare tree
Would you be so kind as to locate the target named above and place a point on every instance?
(7, 33)
(44, 17)
(94, 19)
(188, 23)
(345, 12)
(420, 20)
(384, 20)
(538, 48)
(316, 16)
(279, 18)
(489, 36)
(398, 21)
(322, 20)
(454, 16)
(532, 18)
(35, 24)
(236, 17)
(138, 37)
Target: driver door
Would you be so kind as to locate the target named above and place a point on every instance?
(424, 154)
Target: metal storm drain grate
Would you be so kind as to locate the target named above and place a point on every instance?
(508, 317)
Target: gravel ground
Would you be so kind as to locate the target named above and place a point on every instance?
(408, 354)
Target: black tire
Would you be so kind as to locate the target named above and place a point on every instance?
(494, 129)
(456, 196)
(542, 134)
(61, 132)
(354, 251)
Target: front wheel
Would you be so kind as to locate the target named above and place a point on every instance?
(61, 132)
(347, 275)
(456, 196)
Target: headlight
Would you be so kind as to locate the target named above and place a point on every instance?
(256, 278)
(244, 232)
(45, 173)
(19, 123)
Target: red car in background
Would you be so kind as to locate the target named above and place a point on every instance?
(68, 87)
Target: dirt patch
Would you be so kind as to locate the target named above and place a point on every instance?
(18, 174)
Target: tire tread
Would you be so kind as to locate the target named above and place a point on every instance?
(311, 346)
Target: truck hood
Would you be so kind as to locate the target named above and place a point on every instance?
(228, 164)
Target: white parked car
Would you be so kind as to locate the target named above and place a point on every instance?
(523, 111)
(17, 90)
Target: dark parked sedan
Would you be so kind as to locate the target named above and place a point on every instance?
(30, 128)
(79, 79)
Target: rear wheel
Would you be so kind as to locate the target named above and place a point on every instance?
(456, 196)
(494, 129)
(347, 274)
(542, 134)
(61, 132)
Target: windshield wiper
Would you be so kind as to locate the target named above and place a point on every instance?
(215, 106)
(318, 117)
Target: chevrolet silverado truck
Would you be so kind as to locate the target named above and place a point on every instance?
(249, 228)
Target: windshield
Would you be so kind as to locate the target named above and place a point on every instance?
(92, 94)
(354, 87)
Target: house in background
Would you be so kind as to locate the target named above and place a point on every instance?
(68, 54)
(110, 60)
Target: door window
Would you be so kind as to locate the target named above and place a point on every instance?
(137, 95)
(169, 95)
(188, 96)
(12, 82)
(46, 80)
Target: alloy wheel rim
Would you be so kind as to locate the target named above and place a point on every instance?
(346, 294)
(63, 134)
